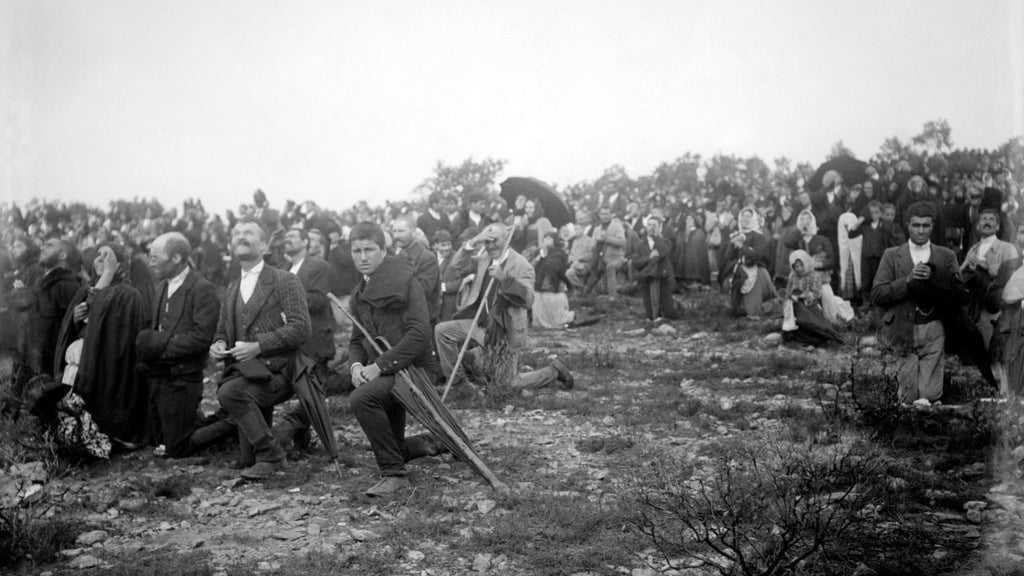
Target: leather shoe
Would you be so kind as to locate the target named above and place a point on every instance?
(388, 485)
(262, 470)
(564, 375)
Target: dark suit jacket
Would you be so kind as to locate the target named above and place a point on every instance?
(276, 316)
(430, 225)
(315, 276)
(649, 268)
(428, 273)
(898, 298)
(391, 306)
(186, 325)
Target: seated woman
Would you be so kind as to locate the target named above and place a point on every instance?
(99, 333)
(805, 321)
(745, 262)
(530, 229)
(550, 303)
(805, 237)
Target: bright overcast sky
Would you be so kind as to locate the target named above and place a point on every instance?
(341, 100)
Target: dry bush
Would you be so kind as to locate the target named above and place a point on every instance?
(762, 510)
(495, 368)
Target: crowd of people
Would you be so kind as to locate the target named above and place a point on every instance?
(115, 316)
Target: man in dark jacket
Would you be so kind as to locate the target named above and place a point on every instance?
(61, 262)
(176, 344)
(433, 220)
(654, 272)
(916, 284)
(263, 323)
(424, 262)
(390, 305)
(314, 274)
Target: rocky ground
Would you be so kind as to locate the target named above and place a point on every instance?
(576, 460)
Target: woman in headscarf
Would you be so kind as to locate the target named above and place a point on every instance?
(805, 237)
(746, 266)
(804, 320)
(99, 332)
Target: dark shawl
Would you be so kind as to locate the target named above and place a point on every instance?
(107, 381)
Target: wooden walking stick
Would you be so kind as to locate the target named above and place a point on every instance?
(476, 320)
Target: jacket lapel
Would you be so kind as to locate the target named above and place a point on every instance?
(230, 304)
(259, 297)
(158, 304)
(177, 305)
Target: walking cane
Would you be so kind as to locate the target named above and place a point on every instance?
(476, 320)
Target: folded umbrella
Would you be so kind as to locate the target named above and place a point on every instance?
(310, 392)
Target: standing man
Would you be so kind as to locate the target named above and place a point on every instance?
(61, 262)
(434, 219)
(915, 282)
(506, 305)
(390, 304)
(424, 262)
(263, 322)
(176, 344)
(609, 236)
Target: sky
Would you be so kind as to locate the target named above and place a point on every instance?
(339, 101)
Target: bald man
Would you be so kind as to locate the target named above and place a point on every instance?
(175, 346)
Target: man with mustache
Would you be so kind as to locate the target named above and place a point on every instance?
(263, 322)
(61, 262)
(988, 265)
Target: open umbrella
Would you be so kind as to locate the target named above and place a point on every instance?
(414, 390)
(555, 209)
(310, 392)
(852, 170)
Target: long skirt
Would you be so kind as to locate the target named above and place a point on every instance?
(759, 300)
(811, 326)
(551, 310)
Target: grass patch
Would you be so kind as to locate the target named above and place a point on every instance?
(553, 535)
(604, 444)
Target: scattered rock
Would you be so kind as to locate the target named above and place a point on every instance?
(287, 535)
(92, 537)
(482, 562)
(313, 529)
(85, 561)
(643, 572)
(665, 330)
(773, 339)
(360, 535)
(608, 421)
(869, 342)
(30, 471)
(415, 556)
(485, 506)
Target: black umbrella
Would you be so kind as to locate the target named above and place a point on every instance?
(555, 209)
(852, 170)
(310, 392)
(414, 390)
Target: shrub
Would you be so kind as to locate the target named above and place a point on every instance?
(763, 510)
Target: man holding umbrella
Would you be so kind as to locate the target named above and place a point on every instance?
(393, 308)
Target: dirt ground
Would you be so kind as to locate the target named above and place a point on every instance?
(575, 461)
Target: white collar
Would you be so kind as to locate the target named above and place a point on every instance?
(255, 270)
(915, 248)
(179, 278)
